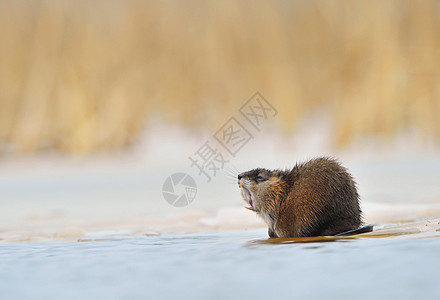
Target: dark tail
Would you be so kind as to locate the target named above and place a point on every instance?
(364, 229)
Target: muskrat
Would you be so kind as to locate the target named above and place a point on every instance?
(315, 198)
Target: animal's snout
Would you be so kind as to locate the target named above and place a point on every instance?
(239, 177)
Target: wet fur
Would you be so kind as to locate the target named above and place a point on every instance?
(318, 197)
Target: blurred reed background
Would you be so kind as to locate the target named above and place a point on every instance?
(86, 76)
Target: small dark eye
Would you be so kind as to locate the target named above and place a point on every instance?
(260, 178)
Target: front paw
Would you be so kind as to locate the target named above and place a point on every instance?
(271, 233)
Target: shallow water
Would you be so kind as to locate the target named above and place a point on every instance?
(222, 265)
(47, 206)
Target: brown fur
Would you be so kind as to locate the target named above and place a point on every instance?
(318, 197)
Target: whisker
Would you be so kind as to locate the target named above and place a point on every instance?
(230, 177)
(232, 182)
(236, 169)
(231, 173)
(231, 170)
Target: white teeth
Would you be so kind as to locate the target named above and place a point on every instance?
(248, 197)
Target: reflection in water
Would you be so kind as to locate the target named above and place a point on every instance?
(421, 229)
(225, 265)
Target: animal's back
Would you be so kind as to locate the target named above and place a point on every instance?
(323, 200)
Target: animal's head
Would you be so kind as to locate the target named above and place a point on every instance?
(259, 188)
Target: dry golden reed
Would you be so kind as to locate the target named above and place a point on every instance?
(84, 76)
